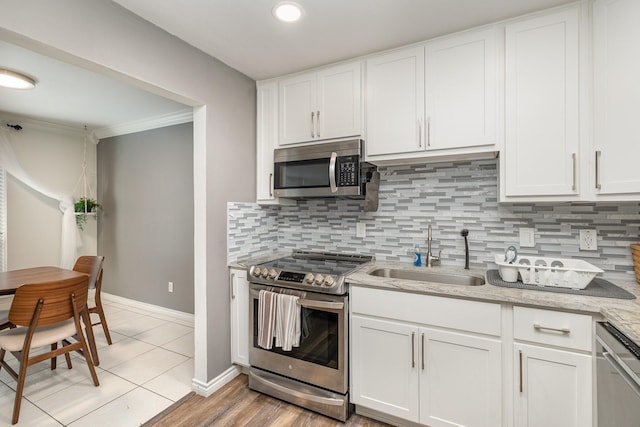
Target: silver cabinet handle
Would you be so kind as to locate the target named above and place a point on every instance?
(428, 131)
(313, 114)
(521, 387)
(413, 349)
(573, 159)
(422, 352)
(318, 123)
(271, 185)
(332, 172)
(419, 133)
(598, 155)
(233, 282)
(538, 327)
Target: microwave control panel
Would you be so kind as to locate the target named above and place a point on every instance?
(348, 171)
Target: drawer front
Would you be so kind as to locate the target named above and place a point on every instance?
(464, 315)
(557, 328)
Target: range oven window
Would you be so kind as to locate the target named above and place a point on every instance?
(319, 341)
(302, 174)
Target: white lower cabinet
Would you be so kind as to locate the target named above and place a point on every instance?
(239, 295)
(553, 370)
(553, 387)
(422, 374)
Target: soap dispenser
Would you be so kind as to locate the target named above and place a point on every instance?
(417, 258)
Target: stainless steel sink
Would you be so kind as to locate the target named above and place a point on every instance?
(429, 276)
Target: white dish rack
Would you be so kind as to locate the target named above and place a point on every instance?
(541, 271)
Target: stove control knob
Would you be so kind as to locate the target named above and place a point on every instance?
(272, 274)
(256, 271)
(265, 272)
(309, 278)
(329, 281)
(319, 279)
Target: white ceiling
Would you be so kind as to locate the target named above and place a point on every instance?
(244, 34)
(67, 94)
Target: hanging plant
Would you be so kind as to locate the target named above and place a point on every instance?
(82, 207)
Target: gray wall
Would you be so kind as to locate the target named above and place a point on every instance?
(145, 230)
(104, 37)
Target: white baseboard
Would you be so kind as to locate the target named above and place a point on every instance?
(207, 389)
(148, 307)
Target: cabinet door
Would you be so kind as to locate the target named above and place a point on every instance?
(542, 105)
(339, 102)
(460, 380)
(239, 294)
(553, 388)
(395, 103)
(297, 102)
(616, 61)
(461, 91)
(384, 367)
(267, 136)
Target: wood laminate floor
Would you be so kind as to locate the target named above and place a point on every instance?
(236, 405)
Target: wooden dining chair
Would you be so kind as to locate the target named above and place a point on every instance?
(45, 314)
(92, 265)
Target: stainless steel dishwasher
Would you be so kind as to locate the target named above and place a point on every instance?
(617, 378)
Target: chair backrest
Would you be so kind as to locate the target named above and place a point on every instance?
(57, 301)
(91, 265)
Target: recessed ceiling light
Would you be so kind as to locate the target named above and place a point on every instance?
(288, 11)
(14, 80)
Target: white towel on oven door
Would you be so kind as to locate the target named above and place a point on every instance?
(266, 318)
(287, 322)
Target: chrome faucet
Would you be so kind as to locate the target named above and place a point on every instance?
(431, 259)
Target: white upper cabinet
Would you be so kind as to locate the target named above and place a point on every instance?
(325, 104)
(541, 152)
(266, 141)
(616, 62)
(395, 103)
(461, 90)
(433, 100)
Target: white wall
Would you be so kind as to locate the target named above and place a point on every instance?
(106, 38)
(53, 156)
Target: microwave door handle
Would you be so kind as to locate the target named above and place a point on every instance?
(332, 172)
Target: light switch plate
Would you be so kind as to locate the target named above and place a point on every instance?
(361, 230)
(527, 237)
(588, 240)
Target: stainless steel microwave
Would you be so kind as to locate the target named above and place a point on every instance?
(333, 169)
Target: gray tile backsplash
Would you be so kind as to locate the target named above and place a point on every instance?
(450, 197)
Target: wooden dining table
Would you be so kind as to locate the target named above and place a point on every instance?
(12, 280)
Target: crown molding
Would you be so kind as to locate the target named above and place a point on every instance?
(156, 122)
(41, 125)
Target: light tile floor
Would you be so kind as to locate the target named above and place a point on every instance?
(148, 367)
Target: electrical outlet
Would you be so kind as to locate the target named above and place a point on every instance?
(170, 287)
(588, 240)
(361, 230)
(527, 237)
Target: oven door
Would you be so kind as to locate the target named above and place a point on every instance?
(618, 389)
(321, 359)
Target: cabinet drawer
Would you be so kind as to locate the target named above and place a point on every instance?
(557, 328)
(464, 315)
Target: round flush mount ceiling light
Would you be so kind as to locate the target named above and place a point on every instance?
(288, 11)
(15, 80)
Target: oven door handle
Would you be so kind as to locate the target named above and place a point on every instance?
(625, 376)
(328, 305)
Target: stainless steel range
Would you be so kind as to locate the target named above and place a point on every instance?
(314, 374)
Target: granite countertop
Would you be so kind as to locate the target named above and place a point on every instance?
(625, 314)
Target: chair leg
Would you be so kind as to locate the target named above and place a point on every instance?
(20, 388)
(85, 350)
(103, 320)
(54, 359)
(92, 339)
